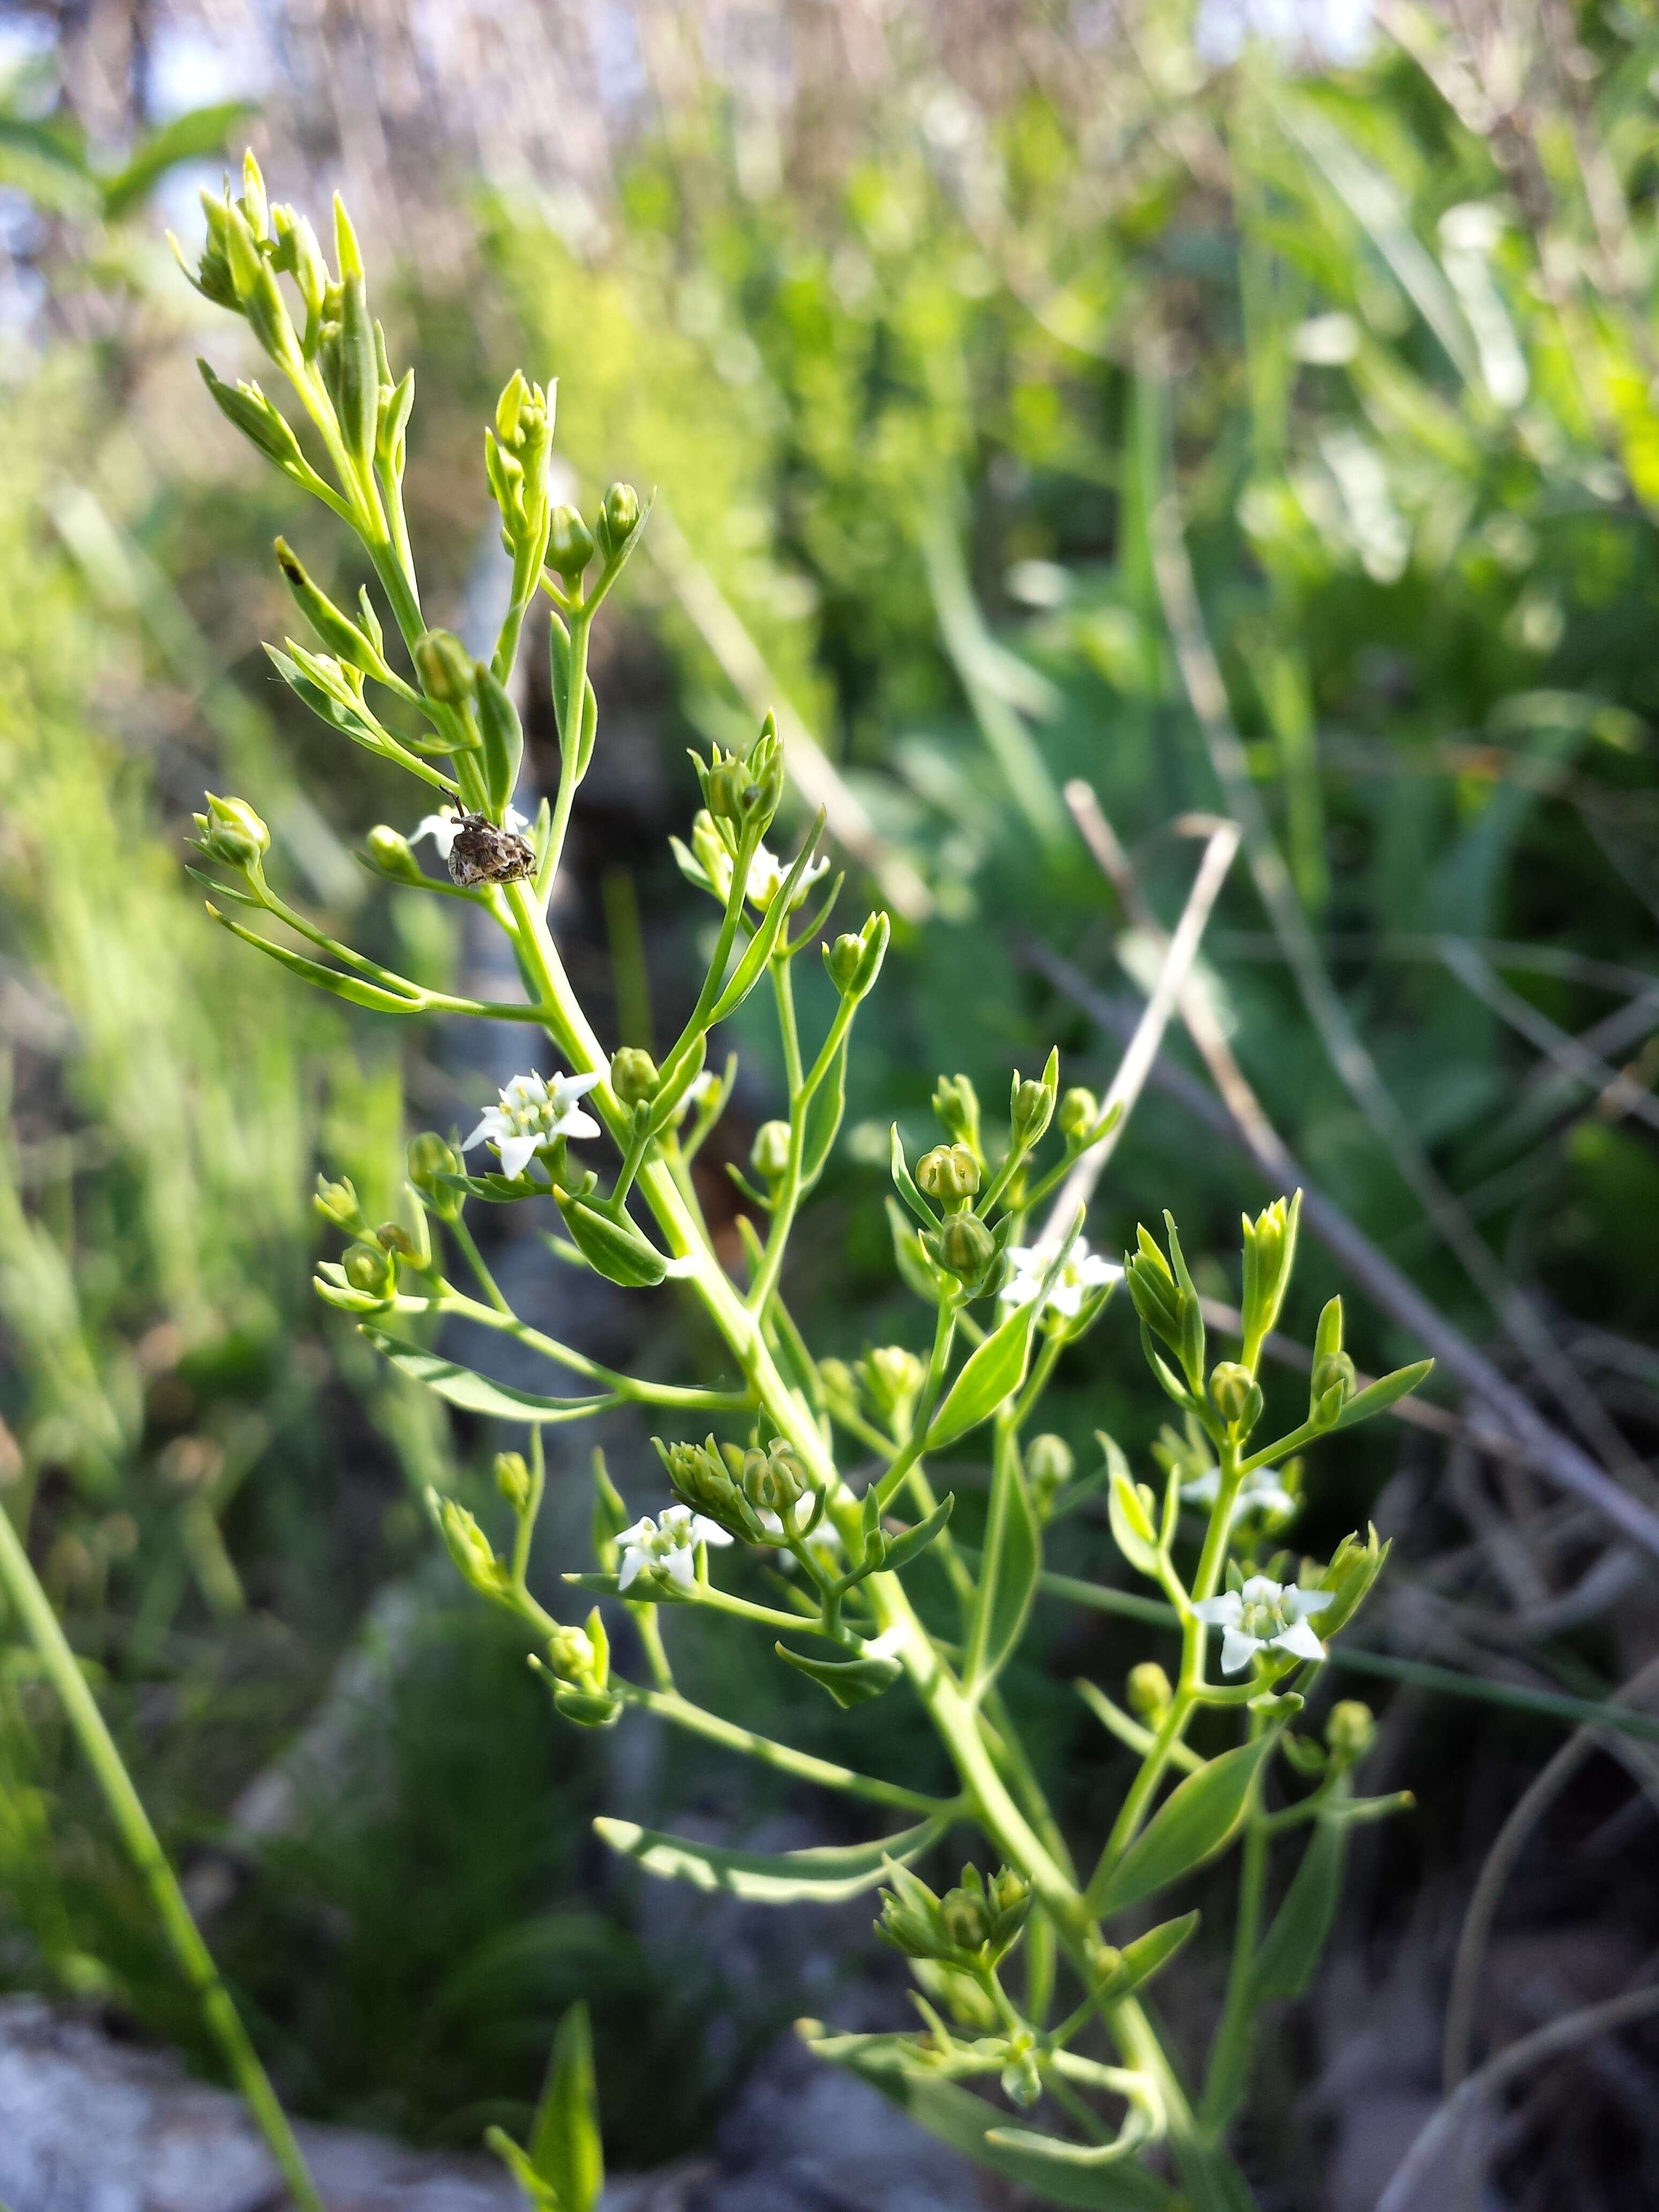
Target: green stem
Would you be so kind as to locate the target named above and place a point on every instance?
(144, 1846)
(669, 1705)
(1227, 2052)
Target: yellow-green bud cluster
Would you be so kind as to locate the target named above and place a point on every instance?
(231, 832)
(972, 1926)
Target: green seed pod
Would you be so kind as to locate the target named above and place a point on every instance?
(772, 1480)
(1079, 1109)
(1149, 1693)
(1236, 1395)
(769, 1154)
(447, 670)
(1350, 1730)
(949, 1171)
(634, 1075)
(611, 1245)
(963, 1245)
(569, 543)
(371, 1269)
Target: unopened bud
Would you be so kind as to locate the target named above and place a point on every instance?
(512, 1479)
(962, 1246)
(619, 518)
(337, 1202)
(371, 1270)
(965, 1918)
(1149, 1692)
(1331, 1387)
(1235, 1394)
(891, 1377)
(843, 959)
(389, 850)
(469, 1547)
(836, 1376)
(770, 1155)
(633, 1074)
(569, 543)
(1048, 1465)
(571, 1655)
(957, 1104)
(429, 1157)
(1030, 1105)
(391, 1237)
(772, 1480)
(447, 670)
(949, 1171)
(1079, 1109)
(1350, 1730)
(233, 832)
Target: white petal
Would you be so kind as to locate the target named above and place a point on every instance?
(1093, 1270)
(1013, 1291)
(577, 1086)
(1262, 1589)
(704, 1531)
(1067, 1300)
(633, 1566)
(1299, 1603)
(1224, 1612)
(1237, 1650)
(487, 1127)
(517, 1153)
(1203, 1489)
(1027, 1258)
(576, 1123)
(680, 1567)
(676, 1522)
(1300, 1638)
(638, 1533)
(442, 829)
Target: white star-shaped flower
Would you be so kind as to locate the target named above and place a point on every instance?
(1261, 1491)
(766, 877)
(667, 1546)
(1084, 1273)
(444, 827)
(1264, 1616)
(534, 1109)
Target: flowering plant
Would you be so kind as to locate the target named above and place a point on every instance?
(829, 1469)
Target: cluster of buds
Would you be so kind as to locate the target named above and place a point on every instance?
(364, 1280)
(741, 790)
(1166, 1302)
(473, 1554)
(754, 1494)
(1269, 1256)
(231, 833)
(970, 1928)
(579, 1661)
(956, 1102)
(1331, 1382)
(516, 451)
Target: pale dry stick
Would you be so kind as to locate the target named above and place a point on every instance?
(1617, 1091)
(1636, 983)
(1518, 1424)
(1432, 2145)
(816, 778)
(1499, 1863)
(1347, 1051)
(1174, 979)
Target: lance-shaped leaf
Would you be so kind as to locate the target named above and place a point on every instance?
(993, 1371)
(892, 2064)
(752, 966)
(849, 1681)
(1137, 2127)
(819, 1876)
(1285, 1963)
(905, 1183)
(350, 988)
(1009, 1566)
(476, 1394)
(916, 1270)
(1377, 1397)
(1150, 1953)
(823, 1112)
(564, 2136)
(1193, 1823)
(914, 1541)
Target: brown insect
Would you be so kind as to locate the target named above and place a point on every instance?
(482, 853)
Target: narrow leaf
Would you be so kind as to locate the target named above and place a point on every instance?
(1192, 1824)
(1285, 1963)
(476, 1394)
(905, 1183)
(1149, 1953)
(1377, 1397)
(564, 2136)
(349, 987)
(819, 1876)
(914, 1541)
(992, 1372)
(823, 1112)
(1008, 1571)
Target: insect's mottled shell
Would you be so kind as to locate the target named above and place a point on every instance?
(481, 854)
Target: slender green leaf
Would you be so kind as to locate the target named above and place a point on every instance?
(476, 1394)
(1151, 1951)
(189, 137)
(823, 1112)
(820, 1876)
(1192, 1824)
(564, 2136)
(905, 1183)
(1285, 1963)
(350, 988)
(1377, 1397)
(993, 1371)
(914, 1541)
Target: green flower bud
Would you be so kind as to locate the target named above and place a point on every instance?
(429, 1157)
(512, 1479)
(1030, 1105)
(1022, 2080)
(956, 1102)
(1149, 1692)
(836, 1378)
(724, 788)
(633, 1074)
(769, 1154)
(337, 1202)
(1269, 1255)
(469, 1547)
(1330, 1387)
(949, 1171)
(842, 960)
(371, 1270)
(1236, 1395)
(619, 518)
(1048, 1465)
(231, 832)
(389, 851)
(700, 1478)
(569, 543)
(963, 1246)
(447, 670)
(1079, 1109)
(891, 1378)
(391, 1237)
(965, 1918)
(1350, 1730)
(571, 1655)
(772, 1480)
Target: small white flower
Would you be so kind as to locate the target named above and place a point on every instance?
(1265, 1615)
(1261, 1491)
(534, 1109)
(766, 876)
(1084, 1273)
(667, 1546)
(444, 827)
